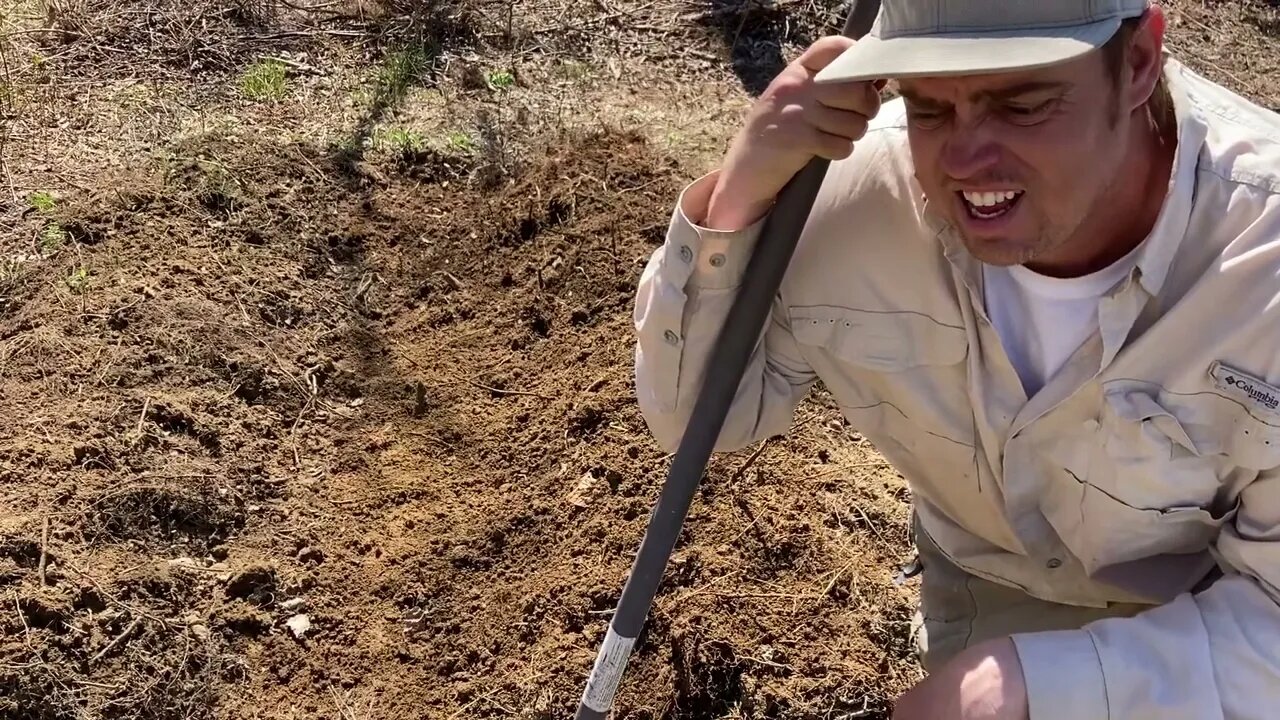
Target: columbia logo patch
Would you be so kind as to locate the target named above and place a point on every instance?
(1245, 386)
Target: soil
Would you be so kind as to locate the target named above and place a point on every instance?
(407, 406)
(297, 421)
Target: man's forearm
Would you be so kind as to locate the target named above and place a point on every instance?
(730, 210)
(685, 294)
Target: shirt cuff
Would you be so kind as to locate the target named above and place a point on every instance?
(714, 259)
(1063, 675)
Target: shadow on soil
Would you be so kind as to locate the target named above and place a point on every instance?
(757, 35)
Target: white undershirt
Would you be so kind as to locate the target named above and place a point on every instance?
(1042, 320)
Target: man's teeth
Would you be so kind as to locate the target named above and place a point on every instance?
(988, 199)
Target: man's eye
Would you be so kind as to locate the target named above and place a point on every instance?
(1024, 112)
(927, 118)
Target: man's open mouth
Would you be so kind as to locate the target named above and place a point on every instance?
(990, 205)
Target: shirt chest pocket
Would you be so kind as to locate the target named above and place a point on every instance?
(1155, 473)
(902, 381)
(882, 341)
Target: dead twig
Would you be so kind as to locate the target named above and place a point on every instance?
(867, 521)
(344, 711)
(498, 391)
(702, 590)
(299, 66)
(6, 115)
(765, 596)
(117, 601)
(26, 629)
(142, 417)
(419, 399)
(453, 279)
(842, 467)
(104, 686)
(433, 439)
(766, 663)
(742, 469)
(826, 591)
(116, 642)
(317, 32)
(44, 551)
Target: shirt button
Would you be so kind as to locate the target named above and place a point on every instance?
(671, 337)
(717, 260)
(686, 254)
(1053, 564)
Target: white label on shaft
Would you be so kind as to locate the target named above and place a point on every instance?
(607, 673)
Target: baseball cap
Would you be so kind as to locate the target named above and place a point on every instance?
(918, 38)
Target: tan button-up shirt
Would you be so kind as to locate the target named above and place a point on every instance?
(1151, 457)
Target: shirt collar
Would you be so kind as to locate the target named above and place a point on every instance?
(1161, 246)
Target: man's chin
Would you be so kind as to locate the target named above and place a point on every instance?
(999, 252)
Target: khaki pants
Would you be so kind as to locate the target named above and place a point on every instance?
(958, 609)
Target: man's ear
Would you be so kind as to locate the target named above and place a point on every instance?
(1145, 60)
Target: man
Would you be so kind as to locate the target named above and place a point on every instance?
(1046, 285)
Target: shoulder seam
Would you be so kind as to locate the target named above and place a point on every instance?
(1271, 188)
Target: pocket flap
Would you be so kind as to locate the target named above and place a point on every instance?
(886, 341)
(1206, 423)
(1139, 407)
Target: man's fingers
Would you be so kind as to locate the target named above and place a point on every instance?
(860, 97)
(823, 52)
(841, 123)
(831, 147)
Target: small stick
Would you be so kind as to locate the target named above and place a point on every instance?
(497, 391)
(869, 524)
(453, 280)
(836, 578)
(13, 192)
(763, 595)
(119, 639)
(511, 13)
(419, 399)
(301, 67)
(44, 551)
(742, 470)
(142, 418)
(26, 629)
(114, 600)
(431, 438)
(104, 686)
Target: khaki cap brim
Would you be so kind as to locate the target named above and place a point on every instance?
(967, 53)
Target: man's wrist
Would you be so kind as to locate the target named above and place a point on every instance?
(729, 210)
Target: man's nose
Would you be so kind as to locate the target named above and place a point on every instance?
(969, 153)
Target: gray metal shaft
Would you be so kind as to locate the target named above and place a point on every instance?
(728, 363)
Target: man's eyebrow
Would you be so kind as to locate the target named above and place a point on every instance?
(1026, 88)
(916, 99)
(1005, 93)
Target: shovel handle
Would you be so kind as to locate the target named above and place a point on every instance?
(728, 363)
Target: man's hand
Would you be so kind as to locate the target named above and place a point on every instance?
(982, 683)
(794, 121)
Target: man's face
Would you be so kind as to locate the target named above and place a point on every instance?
(1018, 161)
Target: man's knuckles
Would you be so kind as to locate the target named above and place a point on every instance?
(841, 123)
(823, 52)
(859, 97)
(789, 87)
